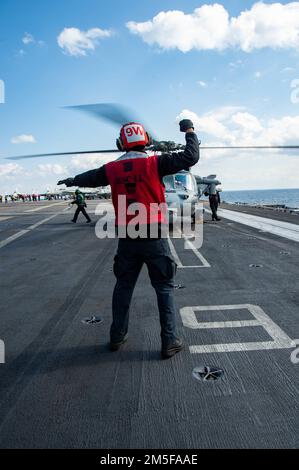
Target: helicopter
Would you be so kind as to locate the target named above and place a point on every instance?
(186, 188)
(181, 188)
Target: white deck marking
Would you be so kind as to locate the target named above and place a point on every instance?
(32, 227)
(17, 235)
(12, 238)
(225, 324)
(2, 218)
(2, 352)
(205, 263)
(280, 339)
(174, 254)
(277, 227)
(46, 207)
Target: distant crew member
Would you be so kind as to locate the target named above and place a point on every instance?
(214, 200)
(81, 205)
(137, 178)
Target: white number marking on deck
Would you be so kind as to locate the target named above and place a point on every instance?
(280, 340)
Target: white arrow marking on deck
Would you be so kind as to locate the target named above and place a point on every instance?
(280, 339)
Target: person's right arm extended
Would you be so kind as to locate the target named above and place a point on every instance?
(169, 164)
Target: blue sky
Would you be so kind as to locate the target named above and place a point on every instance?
(236, 85)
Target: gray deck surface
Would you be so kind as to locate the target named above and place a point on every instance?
(61, 386)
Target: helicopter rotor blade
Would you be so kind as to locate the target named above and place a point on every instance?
(112, 112)
(42, 155)
(91, 152)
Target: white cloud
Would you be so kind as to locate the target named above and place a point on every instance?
(287, 70)
(28, 39)
(87, 162)
(213, 123)
(258, 75)
(210, 27)
(76, 43)
(236, 126)
(52, 169)
(251, 169)
(247, 121)
(282, 131)
(246, 169)
(9, 169)
(23, 139)
(202, 83)
(237, 64)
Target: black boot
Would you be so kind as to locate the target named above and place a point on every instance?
(115, 346)
(172, 349)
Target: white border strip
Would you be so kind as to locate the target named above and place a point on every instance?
(277, 227)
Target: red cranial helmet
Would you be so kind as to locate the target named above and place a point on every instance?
(132, 135)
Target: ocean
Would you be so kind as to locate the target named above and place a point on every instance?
(288, 197)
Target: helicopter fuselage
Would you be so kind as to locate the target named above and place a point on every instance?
(180, 191)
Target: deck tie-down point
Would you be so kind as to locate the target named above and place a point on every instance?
(92, 320)
(207, 373)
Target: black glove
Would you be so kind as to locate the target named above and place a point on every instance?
(68, 182)
(186, 124)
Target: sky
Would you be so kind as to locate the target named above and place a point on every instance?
(230, 66)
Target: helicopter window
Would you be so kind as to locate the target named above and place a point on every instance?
(184, 181)
(169, 182)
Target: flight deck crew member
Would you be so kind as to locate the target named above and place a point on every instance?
(214, 200)
(137, 177)
(81, 204)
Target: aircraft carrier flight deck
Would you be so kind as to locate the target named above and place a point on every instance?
(237, 301)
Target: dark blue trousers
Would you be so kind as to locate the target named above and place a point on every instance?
(81, 208)
(130, 257)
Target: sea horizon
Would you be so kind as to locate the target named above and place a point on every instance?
(288, 197)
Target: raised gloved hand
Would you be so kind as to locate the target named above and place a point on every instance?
(185, 125)
(68, 182)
